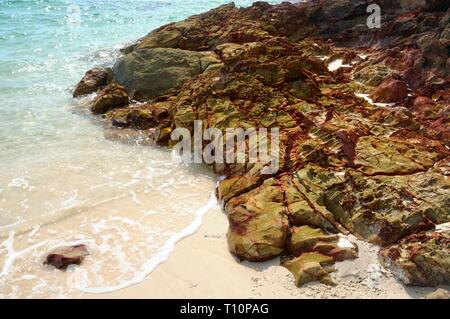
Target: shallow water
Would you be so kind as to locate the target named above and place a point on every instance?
(61, 180)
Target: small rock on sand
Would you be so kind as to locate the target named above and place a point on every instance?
(64, 256)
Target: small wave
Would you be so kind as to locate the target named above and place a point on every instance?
(23, 226)
(156, 260)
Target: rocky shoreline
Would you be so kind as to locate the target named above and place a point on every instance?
(364, 146)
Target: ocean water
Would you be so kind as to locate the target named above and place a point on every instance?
(62, 180)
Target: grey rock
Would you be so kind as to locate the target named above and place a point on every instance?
(150, 73)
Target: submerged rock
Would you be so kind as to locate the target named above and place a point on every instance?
(140, 117)
(62, 257)
(92, 81)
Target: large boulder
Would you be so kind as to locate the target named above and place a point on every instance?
(92, 81)
(440, 293)
(150, 73)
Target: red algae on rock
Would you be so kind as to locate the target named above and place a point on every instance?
(347, 166)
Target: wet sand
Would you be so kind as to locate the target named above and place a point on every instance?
(202, 267)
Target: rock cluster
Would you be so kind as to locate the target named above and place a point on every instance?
(347, 166)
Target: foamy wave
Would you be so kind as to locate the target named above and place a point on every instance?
(126, 240)
(155, 261)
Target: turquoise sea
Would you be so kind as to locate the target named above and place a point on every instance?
(61, 179)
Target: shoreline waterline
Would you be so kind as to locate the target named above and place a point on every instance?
(59, 166)
(164, 253)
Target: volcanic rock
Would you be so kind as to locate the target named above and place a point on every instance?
(258, 223)
(140, 116)
(307, 239)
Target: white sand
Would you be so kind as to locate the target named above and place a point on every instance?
(202, 267)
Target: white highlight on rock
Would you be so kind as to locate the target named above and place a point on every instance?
(443, 227)
(368, 99)
(322, 57)
(337, 64)
(344, 242)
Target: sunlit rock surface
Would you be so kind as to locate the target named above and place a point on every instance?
(348, 164)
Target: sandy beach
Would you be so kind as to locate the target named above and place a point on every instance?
(202, 267)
